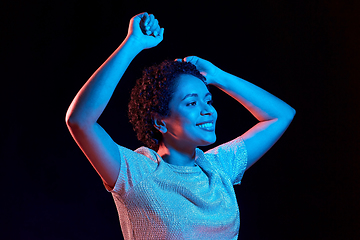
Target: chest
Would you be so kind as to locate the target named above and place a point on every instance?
(190, 197)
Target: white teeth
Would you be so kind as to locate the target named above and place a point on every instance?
(206, 125)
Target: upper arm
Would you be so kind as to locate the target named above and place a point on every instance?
(260, 138)
(99, 148)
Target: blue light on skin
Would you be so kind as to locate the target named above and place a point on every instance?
(191, 122)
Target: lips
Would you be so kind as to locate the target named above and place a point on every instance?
(206, 125)
(209, 125)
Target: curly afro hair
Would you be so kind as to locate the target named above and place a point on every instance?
(151, 96)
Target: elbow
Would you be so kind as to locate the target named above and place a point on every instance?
(70, 121)
(75, 125)
(289, 115)
(292, 113)
(78, 120)
(286, 114)
(73, 122)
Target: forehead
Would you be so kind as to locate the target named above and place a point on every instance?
(189, 84)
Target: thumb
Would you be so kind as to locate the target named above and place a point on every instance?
(136, 25)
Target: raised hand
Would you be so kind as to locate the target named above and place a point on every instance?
(145, 29)
(149, 25)
(206, 68)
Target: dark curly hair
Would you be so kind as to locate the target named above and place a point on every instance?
(151, 95)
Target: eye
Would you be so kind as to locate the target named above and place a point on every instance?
(191, 104)
(210, 102)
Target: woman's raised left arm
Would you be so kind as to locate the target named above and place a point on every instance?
(274, 115)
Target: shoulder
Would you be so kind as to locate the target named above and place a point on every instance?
(148, 153)
(235, 148)
(135, 166)
(230, 157)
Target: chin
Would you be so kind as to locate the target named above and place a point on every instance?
(208, 142)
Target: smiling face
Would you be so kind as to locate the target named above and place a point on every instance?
(192, 118)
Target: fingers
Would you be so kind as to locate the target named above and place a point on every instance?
(145, 29)
(143, 21)
(148, 21)
(190, 59)
(152, 26)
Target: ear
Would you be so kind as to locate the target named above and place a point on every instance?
(159, 124)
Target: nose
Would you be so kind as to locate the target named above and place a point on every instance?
(207, 110)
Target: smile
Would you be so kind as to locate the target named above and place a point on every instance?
(206, 126)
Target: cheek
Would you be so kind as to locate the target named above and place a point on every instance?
(177, 127)
(178, 124)
(184, 126)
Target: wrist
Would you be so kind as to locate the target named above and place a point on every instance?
(133, 44)
(216, 78)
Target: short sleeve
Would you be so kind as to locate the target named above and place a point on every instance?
(134, 167)
(231, 157)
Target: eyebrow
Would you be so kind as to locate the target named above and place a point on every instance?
(194, 95)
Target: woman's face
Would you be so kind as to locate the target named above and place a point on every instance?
(192, 118)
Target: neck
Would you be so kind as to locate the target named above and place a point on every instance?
(176, 156)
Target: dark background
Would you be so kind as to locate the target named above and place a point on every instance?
(304, 52)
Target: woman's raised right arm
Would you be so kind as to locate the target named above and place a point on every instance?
(91, 100)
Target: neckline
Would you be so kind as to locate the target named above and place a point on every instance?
(181, 169)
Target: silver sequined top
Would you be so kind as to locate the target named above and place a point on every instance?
(157, 200)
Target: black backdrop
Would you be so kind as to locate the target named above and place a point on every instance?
(305, 52)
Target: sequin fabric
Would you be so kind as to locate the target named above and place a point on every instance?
(157, 200)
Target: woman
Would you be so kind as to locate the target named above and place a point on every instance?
(171, 189)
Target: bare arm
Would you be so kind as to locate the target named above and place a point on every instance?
(273, 114)
(91, 100)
